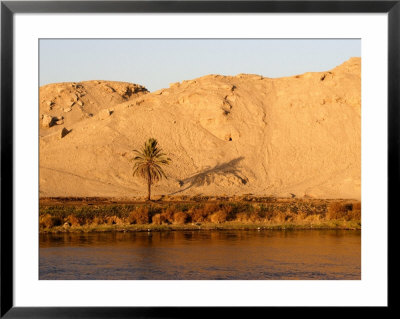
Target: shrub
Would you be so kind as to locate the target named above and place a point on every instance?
(279, 217)
(198, 215)
(48, 221)
(219, 217)
(300, 216)
(73, 220)
(98, 221)
(242, 217)
(313, 218)
(230, 214)
(255, 217)
(156, 219)
(210, 208)
(139, 216)
(262, 210)
(119, 221)
(357, 206)
(336, 211)
(247, 217)
(114, 220)
(273, 212)
(355, 214)
(180, 218)
(167, 215)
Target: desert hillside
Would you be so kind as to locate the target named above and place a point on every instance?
(226, 135)
(68, 103)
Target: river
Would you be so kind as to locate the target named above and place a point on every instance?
(192, 255)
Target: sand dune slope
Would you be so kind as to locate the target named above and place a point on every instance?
(295, 136)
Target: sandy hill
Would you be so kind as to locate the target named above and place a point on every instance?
(69, 102)
(233, 135)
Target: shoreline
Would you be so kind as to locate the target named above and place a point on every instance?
(227, 226)
(83, 215)
(338, 225)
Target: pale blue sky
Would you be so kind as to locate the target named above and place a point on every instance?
(157, 62)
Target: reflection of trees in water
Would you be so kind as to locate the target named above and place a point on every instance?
(228, 254)
(168, 238)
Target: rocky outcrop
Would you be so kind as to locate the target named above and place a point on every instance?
(47, 120)
(76, 101)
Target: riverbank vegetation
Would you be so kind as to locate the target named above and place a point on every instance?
(158, 216)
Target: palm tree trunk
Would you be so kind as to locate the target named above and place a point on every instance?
(149, 184)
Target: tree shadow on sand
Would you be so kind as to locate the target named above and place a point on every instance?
(207, 176)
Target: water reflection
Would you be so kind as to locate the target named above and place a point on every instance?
(202, 255)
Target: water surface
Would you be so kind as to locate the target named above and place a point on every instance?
(265, 254)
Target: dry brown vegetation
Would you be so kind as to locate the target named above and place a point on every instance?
(180, 218)
(344, 211)
(285, 212)
(139, 216)
(49, 221)
(219, 217)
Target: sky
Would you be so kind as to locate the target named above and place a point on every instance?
(155, 63)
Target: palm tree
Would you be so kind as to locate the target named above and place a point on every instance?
(148, 163)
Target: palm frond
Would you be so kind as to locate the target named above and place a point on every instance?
(148, 162)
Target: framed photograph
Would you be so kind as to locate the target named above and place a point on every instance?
(165, 157)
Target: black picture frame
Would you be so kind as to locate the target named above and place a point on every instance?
(9, 8)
